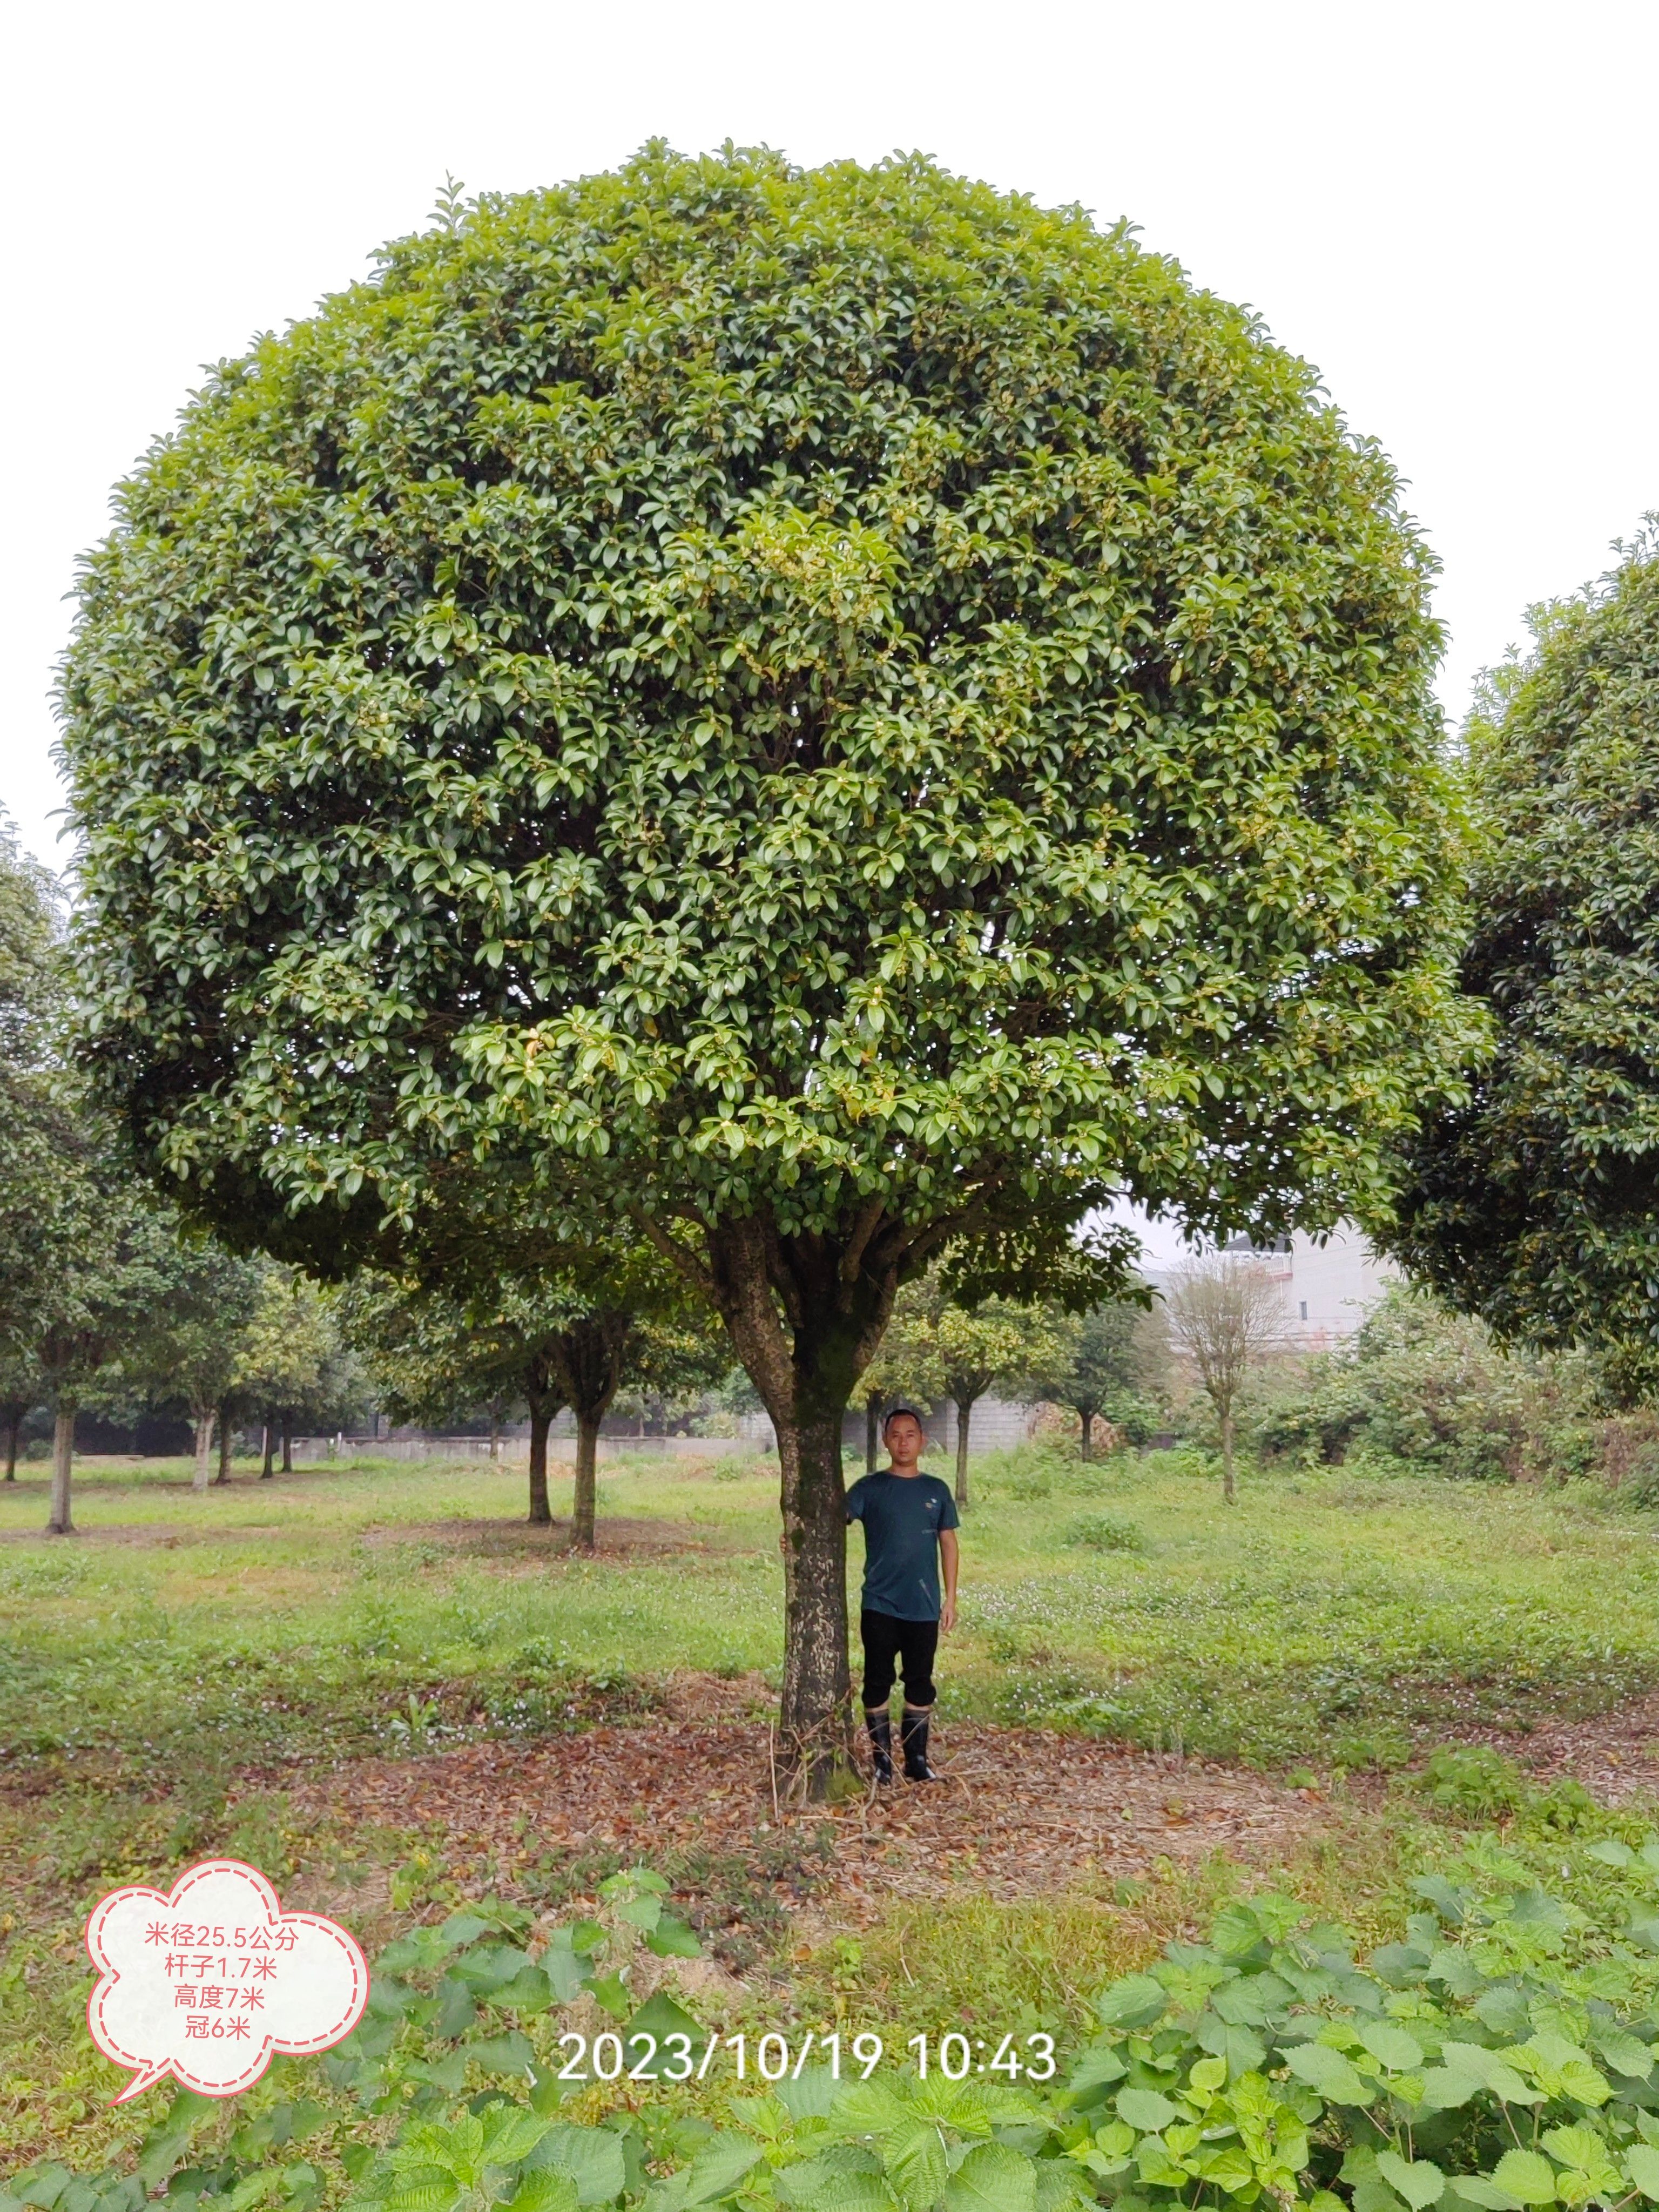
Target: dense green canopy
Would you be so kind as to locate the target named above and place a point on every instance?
(868, 678)
(1536, 1204)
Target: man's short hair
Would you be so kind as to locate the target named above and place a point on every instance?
(893, 1414)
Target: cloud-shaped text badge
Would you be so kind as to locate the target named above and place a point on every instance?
(208, 1981)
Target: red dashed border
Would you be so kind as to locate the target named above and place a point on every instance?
(108, 1976)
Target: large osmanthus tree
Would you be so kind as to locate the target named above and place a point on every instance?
(842, 711)
(1534, 1200)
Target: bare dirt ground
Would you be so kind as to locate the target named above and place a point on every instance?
(1615, 1755)
(1019, 1811)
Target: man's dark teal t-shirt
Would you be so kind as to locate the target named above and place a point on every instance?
(902, 1514)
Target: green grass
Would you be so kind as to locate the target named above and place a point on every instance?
(1320, 1622)
(170, 1668)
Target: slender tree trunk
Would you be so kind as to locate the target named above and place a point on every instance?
(203, 1447)
(582, 1509)
(1086, 1416)
(872, 1431)
(60, 1522)
(14, 1418)
(288, 1444)
(541, 1512)
(268, 1447)
(225, 1441)
(1227, 1490)
(495, 1435)
(965, 1415)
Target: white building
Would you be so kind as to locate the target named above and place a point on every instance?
(1329, 1284)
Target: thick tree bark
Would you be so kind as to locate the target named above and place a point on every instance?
(288, 1444)
(203, 1447)
(225, 1441)
(1227, 1490)
(60, 1522)
(269, 1449)
(1086, 1414)
(541, 1417)
(806, 1315)
(585, 1363)
(585, 1501)
(964, 1415)
(16, 1416)
(872, 1431)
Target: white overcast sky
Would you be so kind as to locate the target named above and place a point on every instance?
(1450, 209)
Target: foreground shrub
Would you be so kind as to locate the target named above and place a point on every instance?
(1501, 2056)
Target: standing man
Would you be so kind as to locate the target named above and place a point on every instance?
(910, 1526)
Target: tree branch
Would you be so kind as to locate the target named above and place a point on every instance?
(695, 1273)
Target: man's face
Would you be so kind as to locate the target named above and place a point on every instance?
(903, 1434)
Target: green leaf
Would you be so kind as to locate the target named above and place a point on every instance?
(914, 2156)
(1329, 2072)
(544, 2190)
(592, 2157)
(1145, 2108)
(1392, 2046)
(673, 1939)
(993, 2178)
(501, 2054)
(1526, 2175)
(1642, 2164)
(1419, 2181)
(719, 2166)
(1135, 2002)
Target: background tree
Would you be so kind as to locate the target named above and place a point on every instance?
(192, 1345)
(1110, 1356)
(22, 1390)
(35, 1125)
(1226, 1314)
(285, 1356)
(433, 1358)
(1534, 1202)
(568, 1336)
(107, 1256)
(849, 714)
(941, 1349)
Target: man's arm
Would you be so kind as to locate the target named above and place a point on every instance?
(947, 1560)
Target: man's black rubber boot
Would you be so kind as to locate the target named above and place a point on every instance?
(914, 1737)
(881, 1744)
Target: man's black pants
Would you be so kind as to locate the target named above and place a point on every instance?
(889, 1643)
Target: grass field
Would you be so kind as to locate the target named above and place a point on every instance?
(174, 1670)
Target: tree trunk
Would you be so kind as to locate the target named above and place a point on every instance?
(806, 1315)
(541, 1513)
(583, 1504)
(14, 1418)
(1085, 1415)
(1227, 1491)
(225, 1441)
(965, 1415)
(872, 1431)
(203, 1447)
(814, 1714)
(288, 1444)
(63, 1464)
(495, 1435)
(268, 1446)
